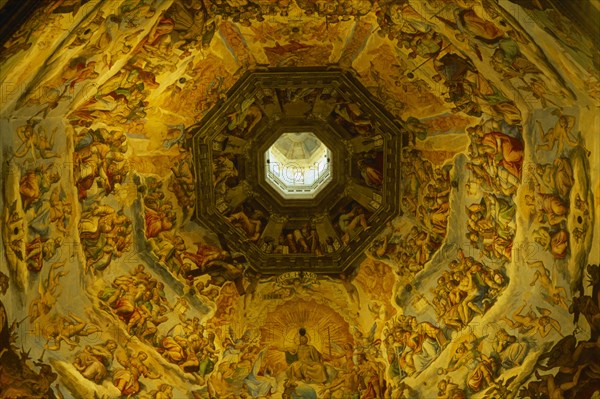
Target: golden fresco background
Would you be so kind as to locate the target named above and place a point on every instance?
(487, 285)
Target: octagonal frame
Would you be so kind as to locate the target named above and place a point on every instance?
(383, 206)
(276, 201)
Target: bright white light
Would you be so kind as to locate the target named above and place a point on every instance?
(297, 165)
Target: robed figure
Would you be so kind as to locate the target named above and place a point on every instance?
(306, 362)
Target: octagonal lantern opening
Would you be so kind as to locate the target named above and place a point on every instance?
(296, 162)
(298, 165)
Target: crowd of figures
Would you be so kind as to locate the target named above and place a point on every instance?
(425, 205)
(187, 27)
(484, 362)
(468, 288)
(465, 289)
(548, 198)
(139, 302)
(425, 199)
(405, 253)
(410, 346)
(425, 190)
(98, 168)
(190, 264)
(39, 209)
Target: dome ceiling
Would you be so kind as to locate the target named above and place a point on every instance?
(146, 252)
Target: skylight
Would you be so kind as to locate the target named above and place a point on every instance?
(298, 165)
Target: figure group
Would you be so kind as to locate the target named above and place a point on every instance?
(547, 200)
(139, 301)
(491, 225)
(465, 289)
(301, 240)
(99, 161)
(495, 158)
(159, 214)
(105, 235)
(38, 212)
(405, 253)
(95, 363)
(425, 190)
(570, 364)
(411, 345)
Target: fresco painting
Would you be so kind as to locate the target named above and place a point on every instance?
(368, 169)
(484, 284)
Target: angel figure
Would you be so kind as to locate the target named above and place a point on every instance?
(253, 279)
(301, 284)
(559, 134)
(556, 295)
(368, 344)
(35, 139)
(48, 292)
(529, 324)
(350, 288)
(68, 329)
